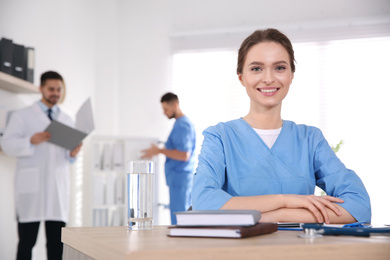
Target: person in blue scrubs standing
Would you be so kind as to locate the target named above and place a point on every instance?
(180, 157)
(263, 162)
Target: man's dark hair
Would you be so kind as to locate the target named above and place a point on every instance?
(50, 75)
(169, 98)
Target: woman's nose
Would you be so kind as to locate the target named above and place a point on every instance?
(267, 77)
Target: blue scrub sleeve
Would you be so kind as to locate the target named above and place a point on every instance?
(338, 181)
(182, 138)
(209, 177)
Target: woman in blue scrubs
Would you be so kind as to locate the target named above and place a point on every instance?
(263, 162)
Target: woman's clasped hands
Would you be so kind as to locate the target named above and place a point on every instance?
(317, 205)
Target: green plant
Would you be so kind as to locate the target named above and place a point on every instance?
(337, 147)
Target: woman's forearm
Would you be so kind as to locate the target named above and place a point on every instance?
(263, 203)
(307, 208)
(305, 216)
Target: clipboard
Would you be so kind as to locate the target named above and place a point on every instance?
(68, 137)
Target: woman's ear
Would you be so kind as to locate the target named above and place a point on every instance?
(240, 79)
(292, 77)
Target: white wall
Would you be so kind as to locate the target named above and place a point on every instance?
(119, 53)
(150, 31)
(64, 36)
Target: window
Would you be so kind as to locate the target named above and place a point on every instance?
(340, 86)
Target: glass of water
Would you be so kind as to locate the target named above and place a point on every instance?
(140, 194)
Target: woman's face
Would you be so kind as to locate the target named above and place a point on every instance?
(267, 74)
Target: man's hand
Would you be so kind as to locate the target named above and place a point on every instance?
(40, 137)
(76, 150)
(150, 152)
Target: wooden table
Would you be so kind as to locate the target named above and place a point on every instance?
(111, 243)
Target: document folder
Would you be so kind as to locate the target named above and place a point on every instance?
(6, 52)
(64, 136)
(18, 63)
(68, 137)
(29, 59)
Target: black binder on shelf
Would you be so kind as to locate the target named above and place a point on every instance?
(6, 53)
(18, 63)
(29, 59)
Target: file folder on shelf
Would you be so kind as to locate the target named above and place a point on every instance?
(119, 190)
(29, 59)
(110, 189)
(98, 190)
(18, 63)
(6, 52)
(117, 156)
(96, 157)
(106, 158)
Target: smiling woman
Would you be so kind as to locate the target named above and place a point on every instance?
(266, 76)
(329, 90)
(240, 169)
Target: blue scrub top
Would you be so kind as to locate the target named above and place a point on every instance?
(234, 161)
(182, 138)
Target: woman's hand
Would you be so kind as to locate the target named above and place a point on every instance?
(315, 204)
(292, 208)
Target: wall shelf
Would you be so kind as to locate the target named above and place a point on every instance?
(17, 85)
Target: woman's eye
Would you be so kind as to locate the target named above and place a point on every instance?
(256, 69)
(280, 68)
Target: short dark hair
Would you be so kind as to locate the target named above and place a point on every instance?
(268, 35)
(169, 98)
(54, 75)
(50, 75)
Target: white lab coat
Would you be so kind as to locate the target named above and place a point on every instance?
(42, 178)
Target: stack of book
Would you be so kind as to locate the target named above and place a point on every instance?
(220, 223)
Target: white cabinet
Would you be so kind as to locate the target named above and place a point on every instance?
(110, 155)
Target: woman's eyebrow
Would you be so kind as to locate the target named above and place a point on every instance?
(256, 63)
(262, 63)
(280, 62)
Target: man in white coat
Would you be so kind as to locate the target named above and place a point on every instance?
(42, 178)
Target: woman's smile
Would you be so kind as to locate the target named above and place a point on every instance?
(267, 74)
(268, 91)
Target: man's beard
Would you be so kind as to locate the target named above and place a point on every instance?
(173, 115)
(50, 100)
